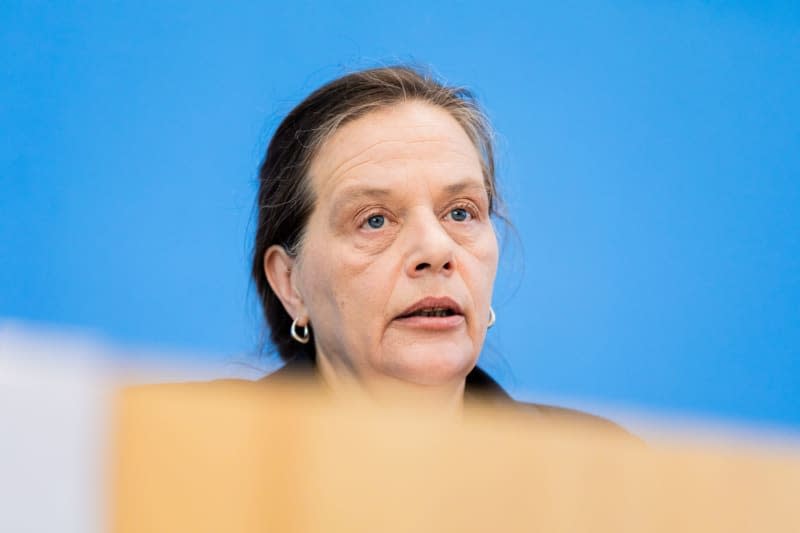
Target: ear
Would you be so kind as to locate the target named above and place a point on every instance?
(279, 269)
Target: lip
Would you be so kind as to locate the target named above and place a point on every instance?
(436, 323)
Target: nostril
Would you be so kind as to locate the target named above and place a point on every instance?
(422, 266)
(447, 266)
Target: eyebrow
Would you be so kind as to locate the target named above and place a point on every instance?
(352, 194)
(356, 193)
(465, 185)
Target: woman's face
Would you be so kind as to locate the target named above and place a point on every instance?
(396, 269)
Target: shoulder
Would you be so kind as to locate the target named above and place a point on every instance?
(480, 389)
(573, 417)
(482, 386)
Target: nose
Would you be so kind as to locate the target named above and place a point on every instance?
(431, 249)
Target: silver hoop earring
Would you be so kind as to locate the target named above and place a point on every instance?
(491, 318)
(296, 336)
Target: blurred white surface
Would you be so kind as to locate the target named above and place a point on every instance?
(54, 395)
(55, 399)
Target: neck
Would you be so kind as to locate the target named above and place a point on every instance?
(439, 400)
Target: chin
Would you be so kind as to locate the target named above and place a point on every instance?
(430, 365)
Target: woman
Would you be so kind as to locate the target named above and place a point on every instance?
(375, 253)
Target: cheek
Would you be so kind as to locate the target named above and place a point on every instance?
(318, 294)
(482, 266)
(345, 290)
(366, 283)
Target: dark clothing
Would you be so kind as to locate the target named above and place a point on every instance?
(479, 387)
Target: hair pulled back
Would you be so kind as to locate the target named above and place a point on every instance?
(285, 199)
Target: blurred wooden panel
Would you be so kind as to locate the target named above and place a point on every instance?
(234, 457)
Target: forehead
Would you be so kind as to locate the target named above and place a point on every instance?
(411, 138)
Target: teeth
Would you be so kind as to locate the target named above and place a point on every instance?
(434, 312)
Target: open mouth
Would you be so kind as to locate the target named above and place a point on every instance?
(432, 319)
(431, 312)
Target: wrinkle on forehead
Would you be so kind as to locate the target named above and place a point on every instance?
(391, 135)
(383, 152)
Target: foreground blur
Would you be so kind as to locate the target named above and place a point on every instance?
(231, 457)
(84, 451)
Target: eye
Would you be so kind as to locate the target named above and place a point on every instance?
(459, 214)
(376, 221)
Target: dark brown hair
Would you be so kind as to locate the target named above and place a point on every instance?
(285, 199)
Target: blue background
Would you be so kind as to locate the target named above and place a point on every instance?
(649, 153)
